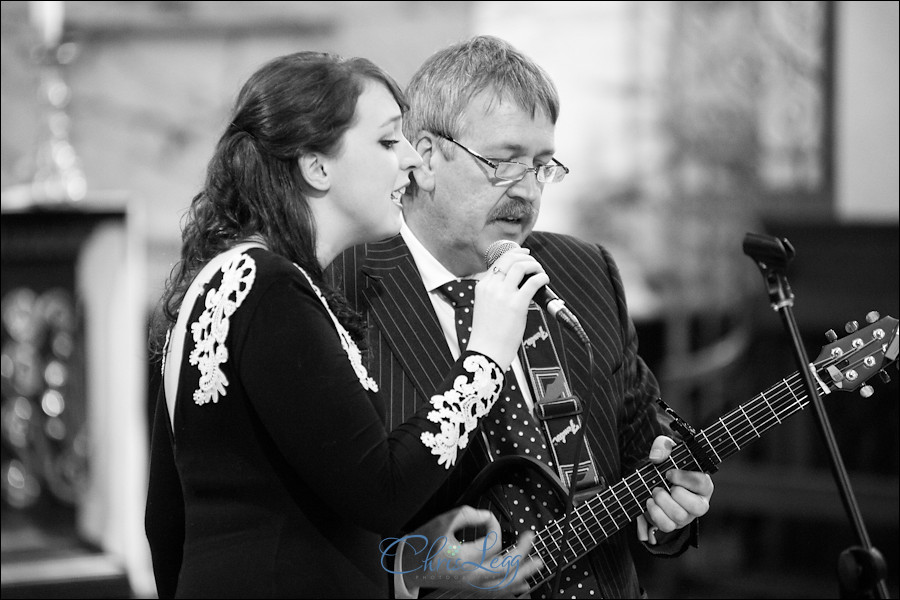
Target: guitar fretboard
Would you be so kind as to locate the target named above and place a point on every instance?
(615, 507)
(598, 518)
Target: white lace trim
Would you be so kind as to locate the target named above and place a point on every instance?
(457, 410)
(165, 352)
(211, 330)
(347, 342)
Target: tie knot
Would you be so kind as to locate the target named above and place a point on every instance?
(460, 292)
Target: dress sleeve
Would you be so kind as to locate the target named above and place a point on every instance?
(164, 516)
(312, 403)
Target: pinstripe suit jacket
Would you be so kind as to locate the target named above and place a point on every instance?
(408, 357)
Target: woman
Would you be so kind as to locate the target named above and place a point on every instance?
(271, 470)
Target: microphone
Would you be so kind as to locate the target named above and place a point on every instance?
(544, 296)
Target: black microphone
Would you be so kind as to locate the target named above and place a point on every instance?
(544, 296)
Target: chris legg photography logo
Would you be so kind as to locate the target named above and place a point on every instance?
(441, 560)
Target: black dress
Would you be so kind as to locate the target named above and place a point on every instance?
(281, 479)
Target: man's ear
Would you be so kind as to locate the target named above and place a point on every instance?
(424, 174)
(315, 171)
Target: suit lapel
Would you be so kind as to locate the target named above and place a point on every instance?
(404, 315)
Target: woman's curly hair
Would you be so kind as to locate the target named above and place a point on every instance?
(295, 104)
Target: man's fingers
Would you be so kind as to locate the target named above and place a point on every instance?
(658, 516)
(693, 481)
(642, 528)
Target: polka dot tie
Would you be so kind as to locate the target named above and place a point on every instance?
(512, 429)
(461, 294)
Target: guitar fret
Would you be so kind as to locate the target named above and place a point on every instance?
(611, 517)
(630, 491)
(728, 431)
(791, 390)
(711, 447)
(662, 478)
(554, 536)
(696, 462)
(749, 421)
(649, 491)
(594, 515)
(616, 496)
(587, 528)
(541, 546)
(763, 396)
(577, 536)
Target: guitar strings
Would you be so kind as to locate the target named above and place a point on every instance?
(748, 422)
(765, 412)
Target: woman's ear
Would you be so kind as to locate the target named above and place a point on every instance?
(424, 174)
(314, 170)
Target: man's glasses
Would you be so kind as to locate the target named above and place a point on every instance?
(516, 171)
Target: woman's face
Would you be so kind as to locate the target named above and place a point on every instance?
(372, 167)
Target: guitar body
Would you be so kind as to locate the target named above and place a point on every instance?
(487, 491)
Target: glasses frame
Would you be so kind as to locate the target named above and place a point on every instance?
(496, 164)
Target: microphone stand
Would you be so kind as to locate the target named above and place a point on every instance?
(861, 569)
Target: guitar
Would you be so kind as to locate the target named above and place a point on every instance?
(842, 366)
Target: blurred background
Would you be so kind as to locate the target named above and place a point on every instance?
(686, 125)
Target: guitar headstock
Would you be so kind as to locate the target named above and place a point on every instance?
(847, 363)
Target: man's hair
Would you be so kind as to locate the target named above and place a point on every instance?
(445, 85)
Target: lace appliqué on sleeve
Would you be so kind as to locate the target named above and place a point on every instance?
(211, 329)
(457, 410)
(350, 347)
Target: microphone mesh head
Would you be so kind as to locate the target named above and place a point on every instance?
(498, 249)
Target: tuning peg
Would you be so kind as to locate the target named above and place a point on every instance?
(830, 335)
(884, 376)
(851, 326)
(872, 317)
(866, 391)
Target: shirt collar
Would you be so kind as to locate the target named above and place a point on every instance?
(433, 273)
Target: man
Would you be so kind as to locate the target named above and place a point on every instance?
(483, 118)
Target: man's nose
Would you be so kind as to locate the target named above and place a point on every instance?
(527, 188)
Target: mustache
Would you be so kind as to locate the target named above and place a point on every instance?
(514, 210)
